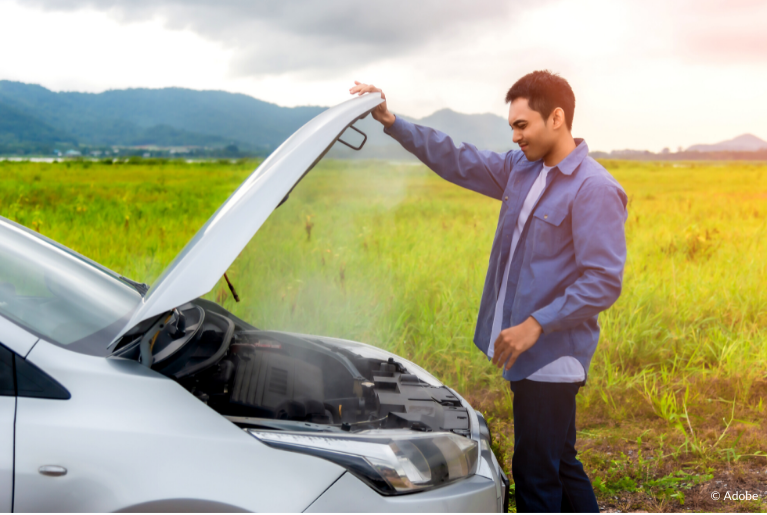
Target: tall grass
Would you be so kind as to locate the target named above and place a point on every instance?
(390, 254)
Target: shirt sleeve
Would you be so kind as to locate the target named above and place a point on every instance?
(483, 171)
(598, 218)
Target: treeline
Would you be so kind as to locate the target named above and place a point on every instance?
(728, 155)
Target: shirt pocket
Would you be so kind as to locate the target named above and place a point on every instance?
(551, 232)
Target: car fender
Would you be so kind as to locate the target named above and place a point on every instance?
(129, 437)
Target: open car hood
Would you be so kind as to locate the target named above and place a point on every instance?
(202, 262)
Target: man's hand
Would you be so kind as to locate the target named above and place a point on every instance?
(381, 112)
(514, 341)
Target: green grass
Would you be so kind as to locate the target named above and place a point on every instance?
(392, 255)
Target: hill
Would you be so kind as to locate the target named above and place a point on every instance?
(742, 143)
(19, 130)
(169, 116)
(484, 130)
(184, 117)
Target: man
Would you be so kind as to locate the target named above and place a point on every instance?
(556, 262)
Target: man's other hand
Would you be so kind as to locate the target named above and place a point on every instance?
(381, 111)
(514, 341)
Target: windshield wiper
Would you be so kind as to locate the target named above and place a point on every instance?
(142, 288)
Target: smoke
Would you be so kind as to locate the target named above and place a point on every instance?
(319, 264)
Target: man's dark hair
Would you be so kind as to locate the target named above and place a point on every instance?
(545, 91)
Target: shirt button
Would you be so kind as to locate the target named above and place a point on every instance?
(545, 216)
(506, 197)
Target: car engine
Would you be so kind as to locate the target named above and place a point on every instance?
(261, 378)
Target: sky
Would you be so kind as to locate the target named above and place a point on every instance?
(647, 74)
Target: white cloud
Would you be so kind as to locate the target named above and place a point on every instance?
(646, 74)
(89, 51)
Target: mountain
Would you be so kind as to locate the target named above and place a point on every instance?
(39, 118)
(19, 130)
(167, 136)
(744, 142)
(487, 131)
(122, 117)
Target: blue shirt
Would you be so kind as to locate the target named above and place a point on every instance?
(566, 369)
(568, 264)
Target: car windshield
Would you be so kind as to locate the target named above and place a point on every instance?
(59, 296)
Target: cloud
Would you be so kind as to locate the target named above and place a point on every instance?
(703, 31)
(646, 73)
(317, 38)
(732, 31)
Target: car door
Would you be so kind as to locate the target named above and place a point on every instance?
(7, 422)
(13, 341)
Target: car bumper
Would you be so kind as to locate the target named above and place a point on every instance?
(349, 494)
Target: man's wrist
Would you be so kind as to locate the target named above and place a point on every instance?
(535, 325)
(546, 320)
(388, 119)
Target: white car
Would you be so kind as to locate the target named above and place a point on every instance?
(115, 396)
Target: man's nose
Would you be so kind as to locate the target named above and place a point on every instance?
(517, 136)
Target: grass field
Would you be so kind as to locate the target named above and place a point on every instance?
(392, 255)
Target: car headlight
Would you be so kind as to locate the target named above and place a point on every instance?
(393, 464)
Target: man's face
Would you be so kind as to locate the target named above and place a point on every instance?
(534, 137)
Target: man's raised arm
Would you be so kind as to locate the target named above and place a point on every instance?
(482, 171)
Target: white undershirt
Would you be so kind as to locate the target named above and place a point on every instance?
(566, 369)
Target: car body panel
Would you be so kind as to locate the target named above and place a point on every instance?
(203, 261)
(15, 338)
(7, 416)
(349, 494)
(131, 438)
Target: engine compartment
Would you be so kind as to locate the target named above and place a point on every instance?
(261, 378)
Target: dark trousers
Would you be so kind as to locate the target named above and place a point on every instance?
(547, 475)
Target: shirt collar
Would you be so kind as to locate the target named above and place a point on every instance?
(568, 165)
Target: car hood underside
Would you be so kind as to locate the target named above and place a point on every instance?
(205, 259)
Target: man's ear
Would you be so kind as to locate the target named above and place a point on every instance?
(557, 118)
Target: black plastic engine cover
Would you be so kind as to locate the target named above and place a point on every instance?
(276, 382)
(408, 402)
